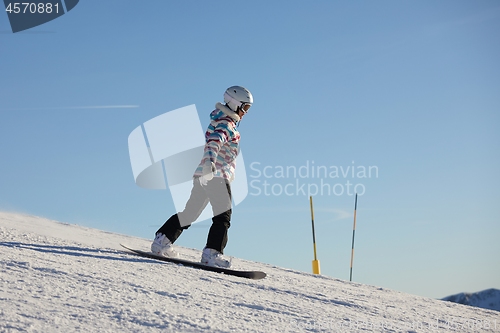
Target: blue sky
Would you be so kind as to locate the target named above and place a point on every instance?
(410, 88)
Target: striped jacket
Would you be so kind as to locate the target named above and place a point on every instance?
(222, 142)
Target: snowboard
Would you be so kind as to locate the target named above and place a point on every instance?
(254, 275)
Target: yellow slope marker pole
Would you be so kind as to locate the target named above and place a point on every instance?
(353, 234)
(315, 263)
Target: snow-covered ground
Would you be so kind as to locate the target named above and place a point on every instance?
(56, 277)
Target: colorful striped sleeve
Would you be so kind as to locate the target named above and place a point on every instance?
(216, 137)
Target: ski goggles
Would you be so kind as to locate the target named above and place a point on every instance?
(245, 107)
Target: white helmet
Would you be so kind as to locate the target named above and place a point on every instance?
(238, 97)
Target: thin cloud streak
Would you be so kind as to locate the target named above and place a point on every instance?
(75, 108)
(105, 107)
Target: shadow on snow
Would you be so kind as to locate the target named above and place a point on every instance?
(76, 251)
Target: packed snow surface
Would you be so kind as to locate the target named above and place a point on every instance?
(57, 277)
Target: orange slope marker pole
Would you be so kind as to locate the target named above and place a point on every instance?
(315, 262)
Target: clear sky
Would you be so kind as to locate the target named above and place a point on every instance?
(407, 90)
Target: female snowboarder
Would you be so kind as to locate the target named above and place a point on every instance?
(211, 181)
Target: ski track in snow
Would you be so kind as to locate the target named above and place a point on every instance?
(56, 277)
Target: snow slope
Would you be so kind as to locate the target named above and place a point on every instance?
(56, 277)
(486, 299)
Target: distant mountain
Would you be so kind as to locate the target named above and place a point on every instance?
(486, 299)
